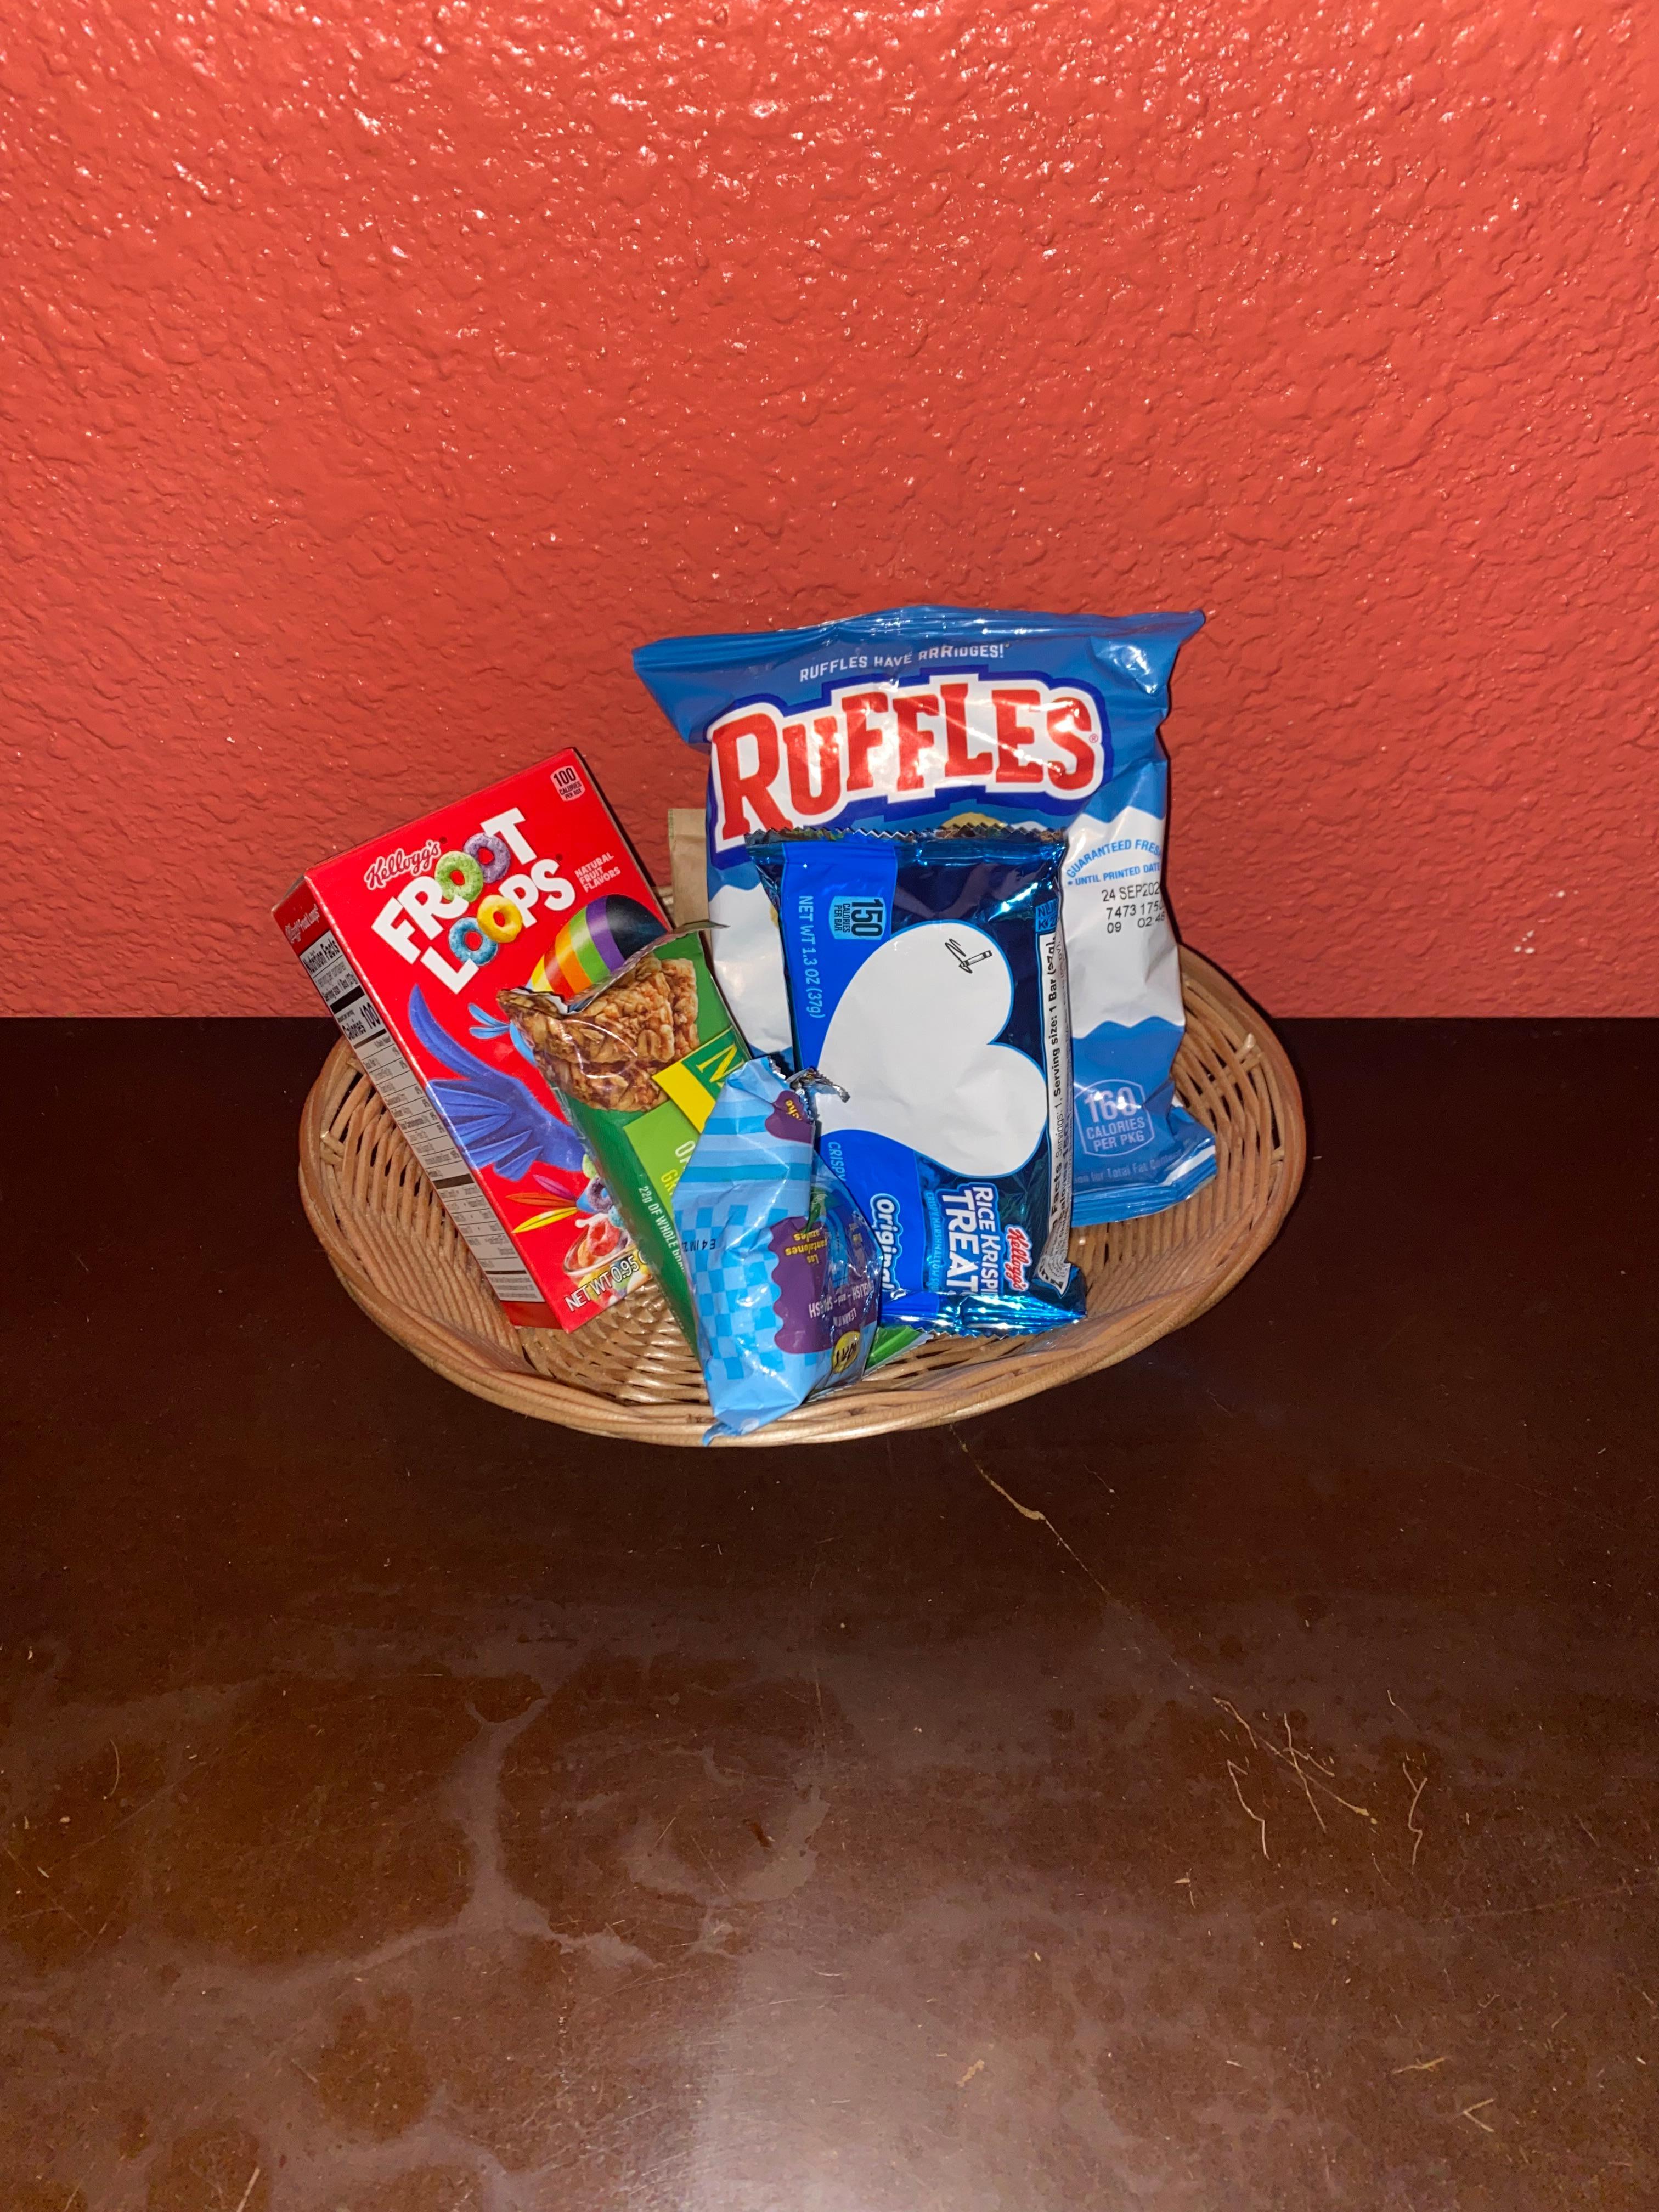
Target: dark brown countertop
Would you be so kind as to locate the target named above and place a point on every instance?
(410, 1808)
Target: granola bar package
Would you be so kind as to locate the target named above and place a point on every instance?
(927, 979)
(637, 1064)
(785, 1273)
(917, 717)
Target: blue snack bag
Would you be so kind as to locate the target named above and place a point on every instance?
(786, 1277)
(917, 717)
(927, 979)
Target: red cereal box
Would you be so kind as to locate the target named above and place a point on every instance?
(408, 941)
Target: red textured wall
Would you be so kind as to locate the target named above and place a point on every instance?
(374, 376)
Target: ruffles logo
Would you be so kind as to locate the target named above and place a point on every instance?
(1009, 740)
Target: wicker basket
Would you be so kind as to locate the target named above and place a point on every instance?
(630, 1373)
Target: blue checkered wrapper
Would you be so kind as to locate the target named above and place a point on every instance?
(785, 1272)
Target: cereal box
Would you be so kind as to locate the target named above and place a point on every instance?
(409, 941)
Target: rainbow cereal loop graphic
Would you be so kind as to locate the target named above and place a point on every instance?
(491, 854)
(458, 876)
(595, 941)
(468, 942)
(499, 918)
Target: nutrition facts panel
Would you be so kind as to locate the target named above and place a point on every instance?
(439, 1156)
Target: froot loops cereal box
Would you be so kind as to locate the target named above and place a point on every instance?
(410, 938)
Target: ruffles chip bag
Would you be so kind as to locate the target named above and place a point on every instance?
(920, 718)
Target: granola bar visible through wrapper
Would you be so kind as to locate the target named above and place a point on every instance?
(661, 1017)
(608, 1053)
(680, 977)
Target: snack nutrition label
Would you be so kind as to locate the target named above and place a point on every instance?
(441, 1158)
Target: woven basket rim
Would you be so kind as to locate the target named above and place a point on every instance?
(925, 1398)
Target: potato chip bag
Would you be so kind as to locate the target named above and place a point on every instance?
(920, 717)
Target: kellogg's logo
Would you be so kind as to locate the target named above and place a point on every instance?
(1004, 737)
(388, 866)
(1016, 1259)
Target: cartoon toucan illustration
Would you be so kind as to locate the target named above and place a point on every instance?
(496, 1120)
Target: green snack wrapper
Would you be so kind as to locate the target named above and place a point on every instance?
(637, 1066)
(891, 1338)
